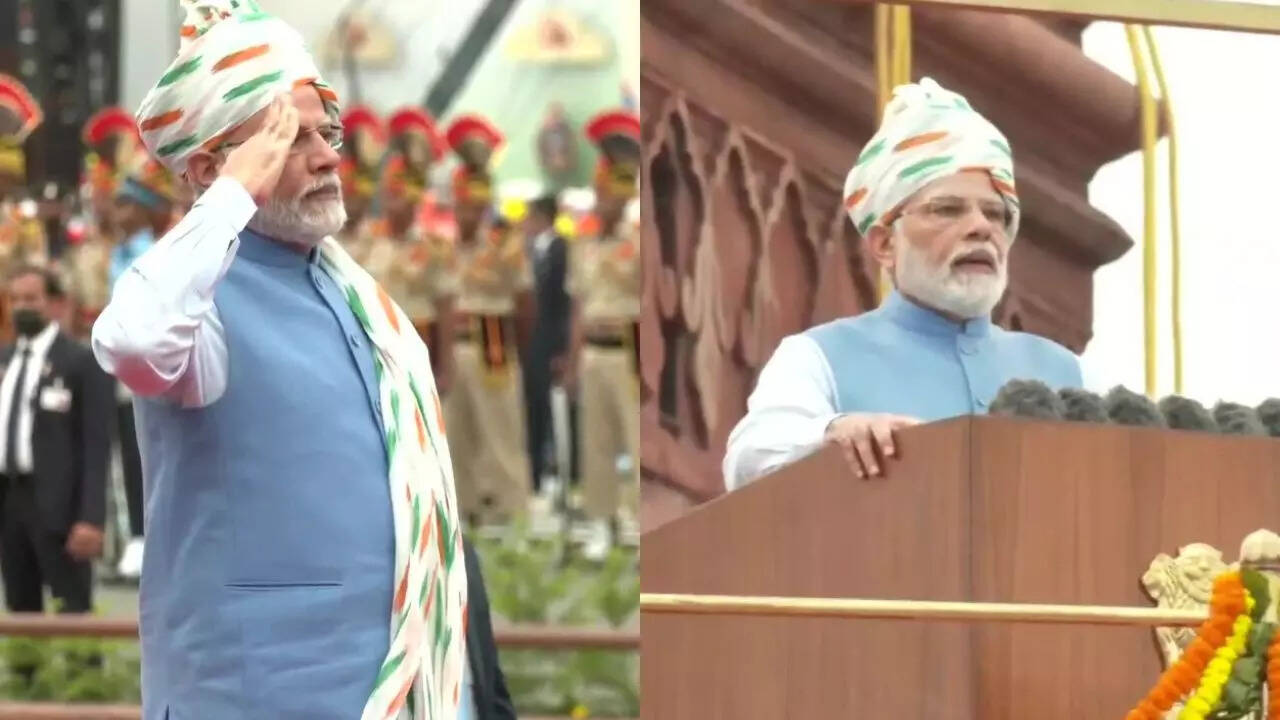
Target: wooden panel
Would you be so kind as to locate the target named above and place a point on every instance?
(1053, 522)
(815, 530)
(984, 509)
(1074, 514)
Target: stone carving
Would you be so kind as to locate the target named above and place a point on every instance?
(1185, 582)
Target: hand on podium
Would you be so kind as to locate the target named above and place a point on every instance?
(860, 435)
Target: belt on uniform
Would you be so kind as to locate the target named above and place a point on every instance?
(494, 333)
(619, 340)
(623, 339)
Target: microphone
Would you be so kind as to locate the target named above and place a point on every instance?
(1237, 419)
(1083, 406)
(1269, 415)
(1028, 398)
(1183, 413)
(1126, 407)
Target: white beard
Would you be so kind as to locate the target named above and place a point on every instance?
(304, 222)
(963, 294)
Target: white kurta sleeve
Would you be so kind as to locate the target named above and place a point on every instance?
(787, 413)
(160, 335)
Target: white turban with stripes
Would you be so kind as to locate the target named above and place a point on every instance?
(928, 132)
(234, 60)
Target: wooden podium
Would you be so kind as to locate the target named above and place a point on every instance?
(976, 509)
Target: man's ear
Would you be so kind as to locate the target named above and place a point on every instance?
(880, 243)
(202, 169)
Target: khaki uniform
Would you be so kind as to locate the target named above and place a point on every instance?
(416, 272)
(357, 239)
(485, 408)
(86, 272)
(22, 239)
(604, 280)
(22, 242)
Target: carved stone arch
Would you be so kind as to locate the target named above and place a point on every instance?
(847, 282)
(737, 220)
(714, 297)
(783, 297)
(677, 206)
(677, 183)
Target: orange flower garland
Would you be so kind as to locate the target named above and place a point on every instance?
(1273, 678)
(1182, 677)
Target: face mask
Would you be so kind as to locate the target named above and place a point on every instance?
(28, 322)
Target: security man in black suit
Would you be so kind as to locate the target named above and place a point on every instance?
(56, 413)
(550, 342)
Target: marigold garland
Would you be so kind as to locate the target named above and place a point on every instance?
(1218, 670)
(1273, 678)
(1229, 600)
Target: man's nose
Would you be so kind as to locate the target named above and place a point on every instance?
(325, 159)
(979, 225)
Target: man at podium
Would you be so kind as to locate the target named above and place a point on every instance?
(933, 196)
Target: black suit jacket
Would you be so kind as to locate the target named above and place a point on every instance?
(551, 332)
(489, 685)
(71, 446)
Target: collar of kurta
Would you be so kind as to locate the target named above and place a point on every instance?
(915, 317)
(265, 251)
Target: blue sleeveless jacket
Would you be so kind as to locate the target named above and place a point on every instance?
(905, 359)
(267, 576)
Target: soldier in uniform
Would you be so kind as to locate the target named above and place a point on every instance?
(416, 267)
(604, 282)
(485, 410)
(112, 144)
(363, 142)
(22, 238)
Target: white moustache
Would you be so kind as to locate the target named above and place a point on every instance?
(328, 183)
(986, 252)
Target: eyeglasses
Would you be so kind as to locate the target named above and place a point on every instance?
(945, 211)
(331, 135)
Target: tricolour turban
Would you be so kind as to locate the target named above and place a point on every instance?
(234, 60)
(928, 132)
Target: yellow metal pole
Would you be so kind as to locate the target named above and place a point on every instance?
(893, 68)
(886, 65)
(1175, 233)
(902, 44)
(1149, 210)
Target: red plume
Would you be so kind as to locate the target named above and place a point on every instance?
(362, 117)
(467, 127)
(107, 122)
(417, 120)
(617, 122)
(15, 98)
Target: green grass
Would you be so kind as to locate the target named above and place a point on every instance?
(540, 581)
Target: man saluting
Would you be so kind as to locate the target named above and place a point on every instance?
(933, 195)
(303, 555)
